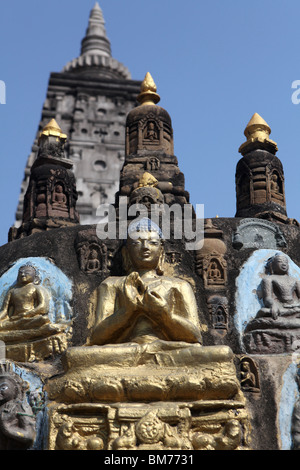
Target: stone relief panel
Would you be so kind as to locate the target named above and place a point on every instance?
(92, 253)
(22, 405)
(211, 264)
(268, 303)
(152, 164)
(218, 309)
(147, 427)
(35, 310)
(249, 375)
(256, 233)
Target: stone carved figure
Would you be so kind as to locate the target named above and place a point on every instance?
(274, 183)
(59, 198)
(17, 421)
(249, 375)
(211, 264)
(228, 437)
(151, 131)
(91, 252)
(153, 163)
(276, 327)
(68, 438)
(93, 263)
(280, 291)
(127, 439)
(218, 308)
(144, 305)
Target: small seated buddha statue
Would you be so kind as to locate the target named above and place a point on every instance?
(276, 326)
(24, 316)
(280, 291)
(26, 304)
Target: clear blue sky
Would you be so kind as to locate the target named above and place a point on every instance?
(215, 64)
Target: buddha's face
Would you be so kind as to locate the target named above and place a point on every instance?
(280, 265)
(7, 390)
(144, 249)
(26, 274)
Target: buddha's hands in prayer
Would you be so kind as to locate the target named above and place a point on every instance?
(156, 305)
(134, 289)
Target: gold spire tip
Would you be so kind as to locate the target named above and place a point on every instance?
(53, 129)
(257, 130)
(148, 95)
(257, 123)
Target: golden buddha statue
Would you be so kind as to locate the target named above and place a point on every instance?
(26, 303)
(25, 326)
(144, 319)
(145, 306)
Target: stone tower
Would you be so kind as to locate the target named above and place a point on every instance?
(149, 149)
(259, 175)
(51, 196)
(89, 99)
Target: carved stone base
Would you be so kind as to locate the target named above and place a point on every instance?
(268, 336)
(199, 425)
(163, 395)
(272, 341)
(155, 372)
(37, 350)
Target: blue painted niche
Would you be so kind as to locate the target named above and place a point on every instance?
(247, 302)
(52, 278)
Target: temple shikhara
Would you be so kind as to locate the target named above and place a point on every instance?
(119, 335)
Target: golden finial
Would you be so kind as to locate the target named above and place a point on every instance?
(147, 180)
(148, 95)
(53, 129)
(257, 130)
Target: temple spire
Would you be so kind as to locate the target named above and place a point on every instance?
(95, 41)
(257, 133)
(259, 175)
(52, 129)
(148, 95)
(95, 55)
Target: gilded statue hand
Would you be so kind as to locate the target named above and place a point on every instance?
(156, 305)
(134, 289)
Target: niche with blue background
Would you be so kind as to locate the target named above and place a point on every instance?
(58, 285)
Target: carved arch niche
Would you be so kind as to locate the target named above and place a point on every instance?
(276, 186)
(150, 133)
